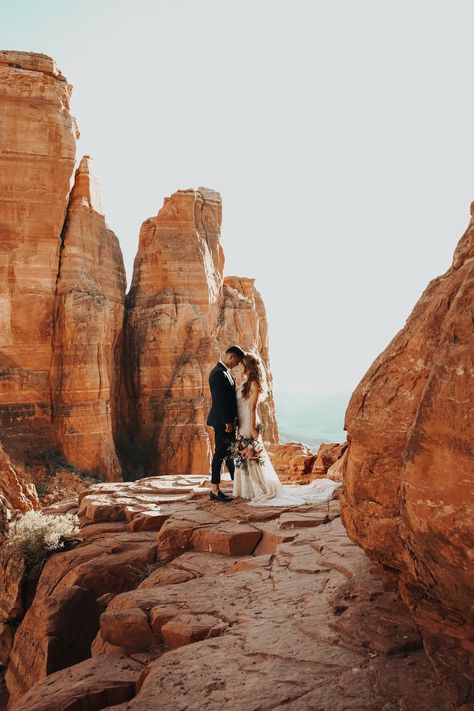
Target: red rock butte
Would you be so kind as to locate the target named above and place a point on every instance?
(102, 378)
(165, 599)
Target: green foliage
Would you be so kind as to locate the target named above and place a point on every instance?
(53, 461)
(41, 490)
(93, 476)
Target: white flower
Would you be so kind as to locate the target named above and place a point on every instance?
(35, 534)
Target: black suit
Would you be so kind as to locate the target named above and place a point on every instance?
(223, 411)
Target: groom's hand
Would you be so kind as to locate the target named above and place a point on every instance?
(229, 427)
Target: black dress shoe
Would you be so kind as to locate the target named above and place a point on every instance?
(220, 496)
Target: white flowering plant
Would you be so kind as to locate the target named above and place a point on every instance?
(36, 535)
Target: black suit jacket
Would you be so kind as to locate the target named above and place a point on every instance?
(224, 400)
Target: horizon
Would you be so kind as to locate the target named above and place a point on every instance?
(345, 181)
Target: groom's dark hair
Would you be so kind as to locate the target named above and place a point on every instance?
(236, 350)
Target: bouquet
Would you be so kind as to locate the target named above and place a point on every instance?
(247, 449)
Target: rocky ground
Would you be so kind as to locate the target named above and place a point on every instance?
(188, 604)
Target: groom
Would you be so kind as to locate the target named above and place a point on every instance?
(223, 417)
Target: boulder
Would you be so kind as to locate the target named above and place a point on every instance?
(57, 632)
(409, 470)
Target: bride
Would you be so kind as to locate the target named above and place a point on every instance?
(255, 478)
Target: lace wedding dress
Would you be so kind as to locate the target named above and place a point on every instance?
(260, 482)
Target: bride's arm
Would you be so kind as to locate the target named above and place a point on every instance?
(253, 400)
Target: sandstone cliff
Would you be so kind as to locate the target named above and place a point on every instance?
(16, 492)
(88, 316)
(180, 314)
(409, 471)
(63, 280)
(37, 151)
(62, 351)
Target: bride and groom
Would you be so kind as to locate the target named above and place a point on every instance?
(238, 439)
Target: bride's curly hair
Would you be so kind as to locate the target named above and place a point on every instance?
(255, 373)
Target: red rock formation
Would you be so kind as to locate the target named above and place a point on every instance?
(88, 316)
(16, 493)
(63, 281)
(295, 462)
(327, 456)
(217, 601)
(409, 474)
(100, 680)
(63, 297)
(37, 147)
(60, 625)
(180, 314)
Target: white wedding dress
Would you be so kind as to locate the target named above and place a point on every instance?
(260, 482)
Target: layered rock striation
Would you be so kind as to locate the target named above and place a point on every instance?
(88, 320)
(64, 342)
(62, 280)
(409, 470)
(181, 313)
(37, 153)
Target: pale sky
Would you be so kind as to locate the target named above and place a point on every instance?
(339, 133)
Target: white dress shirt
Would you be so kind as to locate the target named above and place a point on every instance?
(228, 373)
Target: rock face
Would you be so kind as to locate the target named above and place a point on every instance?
(295, 462)
(62, 350)
(269, 594)
(37, 151)
(88, 317)
(16, 493)
(409, 471)
(63, 279)
(180, 314)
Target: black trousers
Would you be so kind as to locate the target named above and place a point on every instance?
(221, 452)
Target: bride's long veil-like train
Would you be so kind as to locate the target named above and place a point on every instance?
(260, 483)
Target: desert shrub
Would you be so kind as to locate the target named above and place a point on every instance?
(142, 574)
(36, 535)
(41, 490)
(53, 460)
(90, 476)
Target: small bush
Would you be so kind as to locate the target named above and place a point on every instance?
(35, 536)
(53, 460)
(142, 574)
(41, 490)
(90, 476)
